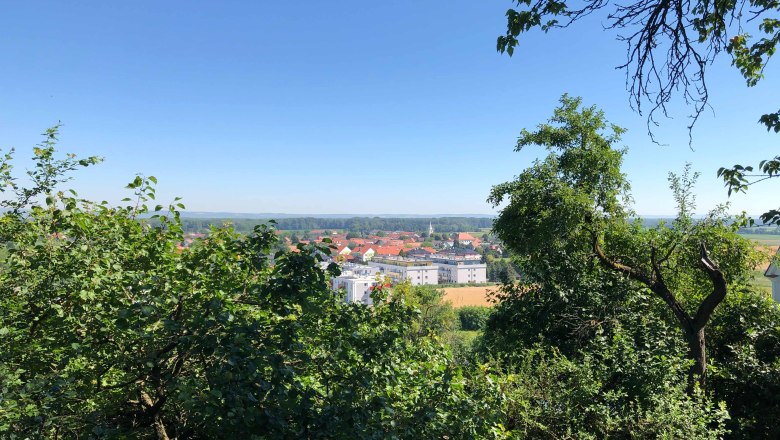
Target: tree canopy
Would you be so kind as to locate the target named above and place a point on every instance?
(593, 277)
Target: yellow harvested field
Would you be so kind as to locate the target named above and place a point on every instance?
(468, 296)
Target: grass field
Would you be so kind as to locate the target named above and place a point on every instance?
(764, 239)
(769, 244)
(468, 296)
(761, 281)
(479, 233)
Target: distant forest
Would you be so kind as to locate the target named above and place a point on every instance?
(768, 230)
(355, 224)
(368, 224)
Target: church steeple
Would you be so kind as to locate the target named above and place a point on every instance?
(430, 228)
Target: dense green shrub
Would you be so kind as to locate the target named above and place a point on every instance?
(549, 396)
(473, 317)
(745, 353)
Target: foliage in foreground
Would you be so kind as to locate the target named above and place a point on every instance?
(109, 330)
(552, 397)
(624, 299)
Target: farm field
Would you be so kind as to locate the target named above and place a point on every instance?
(768, 243)
(764, 239)
(468, 296)
(759, 280)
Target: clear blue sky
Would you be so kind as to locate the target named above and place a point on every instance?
(338, 106)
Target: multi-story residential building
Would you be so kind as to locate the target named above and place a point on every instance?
(459, 266)
(356, 280)
(356, 287)
(418, 272)
(359, 269)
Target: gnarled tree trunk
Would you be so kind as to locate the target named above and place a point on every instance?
(697, 349)
(692, 326)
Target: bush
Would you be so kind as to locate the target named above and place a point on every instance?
(551, 396)
(473, 317)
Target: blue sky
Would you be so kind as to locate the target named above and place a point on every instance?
(340, 106)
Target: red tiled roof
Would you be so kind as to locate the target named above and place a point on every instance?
(388, 250)
(339, 249)
(362, 250)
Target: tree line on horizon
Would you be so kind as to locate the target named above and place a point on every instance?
(367, 225)
(354, 224)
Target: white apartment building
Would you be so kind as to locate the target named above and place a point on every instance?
(359, 269)
(458, 266)
(357, 287)
(356, 280)
(418, 272)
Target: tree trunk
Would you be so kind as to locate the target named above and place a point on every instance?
(692, 326)
(698, 352)
(159, 426)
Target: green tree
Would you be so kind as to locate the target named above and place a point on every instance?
(500, 270)
(437, 316)
(568, 224)
(739, 178)
(473, 317)
(571, 209)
